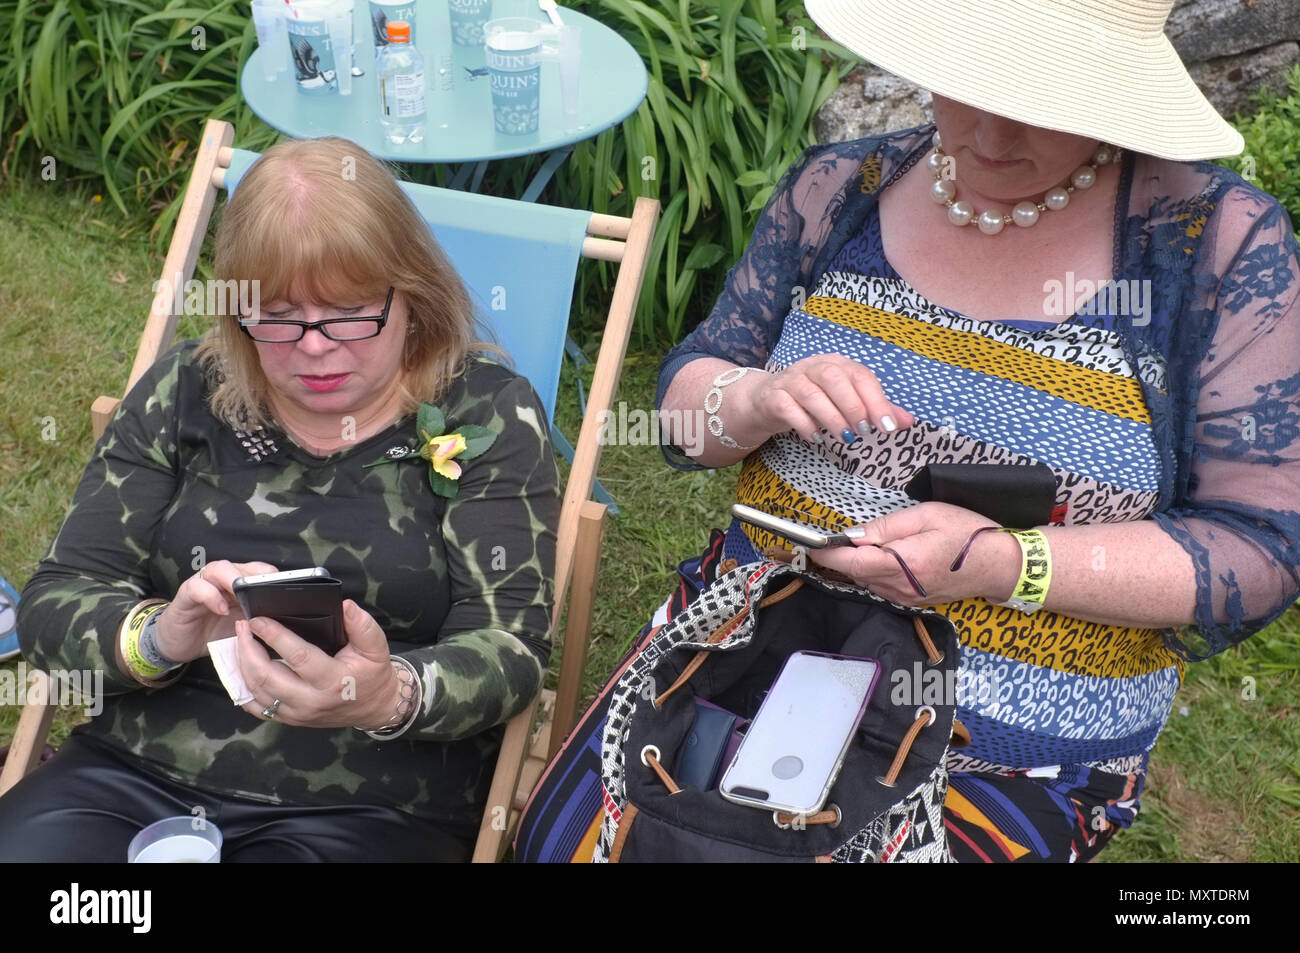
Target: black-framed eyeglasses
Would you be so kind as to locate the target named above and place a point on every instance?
(275, 331)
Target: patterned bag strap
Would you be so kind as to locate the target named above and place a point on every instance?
(721, 632)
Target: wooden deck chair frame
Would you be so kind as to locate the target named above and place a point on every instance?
(529, 740)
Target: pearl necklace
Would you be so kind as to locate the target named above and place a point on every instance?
(1025, 214)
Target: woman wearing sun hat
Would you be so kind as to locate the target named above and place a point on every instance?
(1053, 275)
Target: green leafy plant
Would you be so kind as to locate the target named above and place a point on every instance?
(118, 91)
(1271, 159)
(734, 86)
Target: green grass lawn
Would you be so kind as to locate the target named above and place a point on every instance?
(75, 285)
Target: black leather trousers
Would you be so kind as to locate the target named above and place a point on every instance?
(86, 804)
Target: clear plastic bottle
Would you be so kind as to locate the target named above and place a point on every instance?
(402, 109)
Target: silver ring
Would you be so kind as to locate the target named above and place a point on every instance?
(269, 713)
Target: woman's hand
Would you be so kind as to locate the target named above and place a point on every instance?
(201, 611)
(928, 537)
(356, 687)
(824, 392)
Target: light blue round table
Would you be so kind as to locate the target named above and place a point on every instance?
(612, 85)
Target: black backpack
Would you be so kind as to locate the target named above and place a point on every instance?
(727, 647)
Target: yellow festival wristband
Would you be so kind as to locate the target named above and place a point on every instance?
(138, 667)
(1035, 571)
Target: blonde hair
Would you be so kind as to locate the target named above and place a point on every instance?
(325, 219)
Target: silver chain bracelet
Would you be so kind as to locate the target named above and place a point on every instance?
(713, 403)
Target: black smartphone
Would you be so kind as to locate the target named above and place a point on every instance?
(307, 602)
(801, 533)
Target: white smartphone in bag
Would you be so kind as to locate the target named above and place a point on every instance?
(797, 742)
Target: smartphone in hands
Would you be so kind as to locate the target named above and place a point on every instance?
(811, 536)
(796, 744)
(307, 602)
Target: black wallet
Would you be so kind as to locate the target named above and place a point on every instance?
(705, 746)
(1012, 495)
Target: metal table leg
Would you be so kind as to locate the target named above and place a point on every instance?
(545, 174)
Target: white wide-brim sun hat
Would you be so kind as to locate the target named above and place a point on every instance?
(1097, 68)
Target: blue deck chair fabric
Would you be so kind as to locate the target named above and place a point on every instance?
(8, 620)
(519, 261)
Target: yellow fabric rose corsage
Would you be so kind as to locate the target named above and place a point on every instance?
(443, 451)
(440, 450)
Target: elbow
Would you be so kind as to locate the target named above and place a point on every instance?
(517, 701)
(27, 621)
(523, 675)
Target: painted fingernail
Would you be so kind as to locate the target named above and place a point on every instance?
(864, 427)
(848, 436)
(888, 423)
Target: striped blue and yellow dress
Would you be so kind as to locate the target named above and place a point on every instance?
(1062, 712)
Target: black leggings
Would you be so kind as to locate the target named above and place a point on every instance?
(87, 803)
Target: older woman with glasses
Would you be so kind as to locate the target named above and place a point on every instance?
(257, 450)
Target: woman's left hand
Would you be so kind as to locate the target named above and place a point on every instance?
(928, 537)
(356, 687)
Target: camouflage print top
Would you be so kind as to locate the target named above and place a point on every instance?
(461, 587)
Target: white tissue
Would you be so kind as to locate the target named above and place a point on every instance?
(226, 663)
